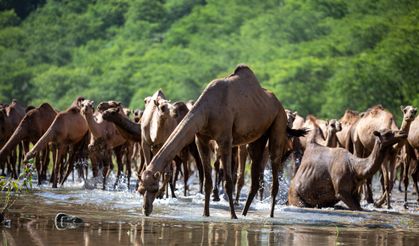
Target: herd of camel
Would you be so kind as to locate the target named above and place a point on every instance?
(233, 120)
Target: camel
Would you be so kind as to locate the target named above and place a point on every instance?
(229, 112)
(329, 175)
(131, 130)
(104, 138)
(67, 130)
(361, 142)
(347, 120)
(10, 117)
(411, 149)
(33, 125)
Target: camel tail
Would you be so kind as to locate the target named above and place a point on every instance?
(297, 132)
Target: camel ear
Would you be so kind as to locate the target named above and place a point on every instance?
(402, 108)
(294, 114)
(157, 175)
(376, 133)
(156, 103)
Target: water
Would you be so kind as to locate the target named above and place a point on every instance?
(115, 217)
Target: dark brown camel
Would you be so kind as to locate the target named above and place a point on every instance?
(33, 125)
(67, 130)
(361, 142)
(329, 175)
(10, 117)
(229, 111)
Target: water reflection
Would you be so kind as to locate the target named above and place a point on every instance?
(41, 231)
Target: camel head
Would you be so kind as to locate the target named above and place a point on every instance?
(388, 137)
(87, 107)
(138, 113)
(409, 112)
(149, 186)
(109, 113)
(164, 108)
(333, 126)
(107, 105)
(290, 117)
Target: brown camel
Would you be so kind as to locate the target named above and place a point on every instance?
(361, 141)
(68, 129)
(104, 138)
(329, 175)
(347, 120)
(10, 117)
(132, 131)
(229, 111)
(33, 125)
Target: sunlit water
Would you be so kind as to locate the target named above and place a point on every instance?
(114, 216)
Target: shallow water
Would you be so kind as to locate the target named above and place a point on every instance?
(115, 217)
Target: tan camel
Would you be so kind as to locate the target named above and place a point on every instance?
(68, 129)
(33, 125)
(361, 142)
(329, 175)
(10, 117)
(347, 120)
(104, 138)
(229, 112)
(411, 149)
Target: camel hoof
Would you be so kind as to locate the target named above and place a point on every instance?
(405, 205)
(234, 217)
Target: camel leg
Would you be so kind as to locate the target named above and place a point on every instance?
(184, 157)
(255, 150)
(58, 163)
(350, 200)
(194, 152)
(128, 163)
(216, 191)
(242, 155)
(204, 152)
(118, 154)
(54, 162)
(19, 158)
(401, 177)
(70, 167)
(38, 164)
(146, 151)
(405, 166)
(225, 148)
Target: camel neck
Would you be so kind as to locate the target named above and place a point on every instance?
(405, 127)
(367, 167)
(93, 125)
(18, 135)
(183, 134)
(331, 140)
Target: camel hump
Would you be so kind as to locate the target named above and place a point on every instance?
(29, 108)
(242, 69)
(73, 109)
(312, 119)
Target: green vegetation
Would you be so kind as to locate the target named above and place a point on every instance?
(317, 56)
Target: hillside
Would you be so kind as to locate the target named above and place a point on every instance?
(317, 56)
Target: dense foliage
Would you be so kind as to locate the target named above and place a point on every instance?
(317, 56)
